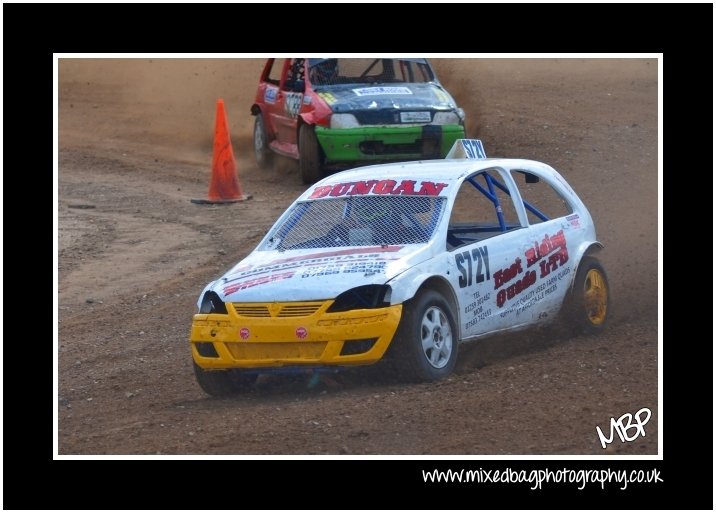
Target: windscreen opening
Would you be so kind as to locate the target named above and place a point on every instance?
(357, 221)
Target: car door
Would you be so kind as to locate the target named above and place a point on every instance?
(287, 105)
(485, 235)
(268, 95)
(552, 237)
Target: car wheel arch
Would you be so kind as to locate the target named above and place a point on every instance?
(585, 249)
(425, 347)
(586, 311)
(431, 282)
(305, 118)
(443, 287)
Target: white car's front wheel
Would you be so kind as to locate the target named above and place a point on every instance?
(222, 383)
(426, 341)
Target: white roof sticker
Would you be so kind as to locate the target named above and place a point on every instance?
(467, 149)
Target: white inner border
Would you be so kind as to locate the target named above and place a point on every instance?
(476, 457)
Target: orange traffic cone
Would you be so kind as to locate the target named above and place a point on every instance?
(224, 186)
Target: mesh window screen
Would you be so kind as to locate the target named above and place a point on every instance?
(358, 221)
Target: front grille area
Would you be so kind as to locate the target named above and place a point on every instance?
(299, 310)
(276, 350)
(385, 116)
(251, 310)
(377, 117)
(427, 147)
(276, 309)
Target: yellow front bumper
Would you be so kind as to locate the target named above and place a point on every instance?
(255, 335)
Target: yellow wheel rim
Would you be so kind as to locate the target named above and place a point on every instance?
(595, 297)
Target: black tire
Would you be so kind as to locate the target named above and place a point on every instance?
(426, 343)
(310, 155)
(587, 306)
(222, 383)
(264, 156)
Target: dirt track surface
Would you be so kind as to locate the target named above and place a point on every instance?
(135, 144)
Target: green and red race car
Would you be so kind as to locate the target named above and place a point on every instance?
(342, 112)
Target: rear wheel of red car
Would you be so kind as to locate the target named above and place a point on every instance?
(221, 383)
(310, 156)
(425, 345)
(586, 308)
(261, 150)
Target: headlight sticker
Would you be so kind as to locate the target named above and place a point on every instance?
(328, 98)
(441, 95)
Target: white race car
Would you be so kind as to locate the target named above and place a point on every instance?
(406, 260)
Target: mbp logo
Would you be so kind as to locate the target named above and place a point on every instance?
(623, 425)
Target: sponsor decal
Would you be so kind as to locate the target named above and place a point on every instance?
(379, 187)
(270, 95)
(301, 332)
(292, 104)
(349, 261)
(369, 267)
(555, 247)
(342, 253)
(478, 308)
(549, 254)
(372, 91)
(573, 220)
(505, 275)
(234, 287)
(244, 333)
